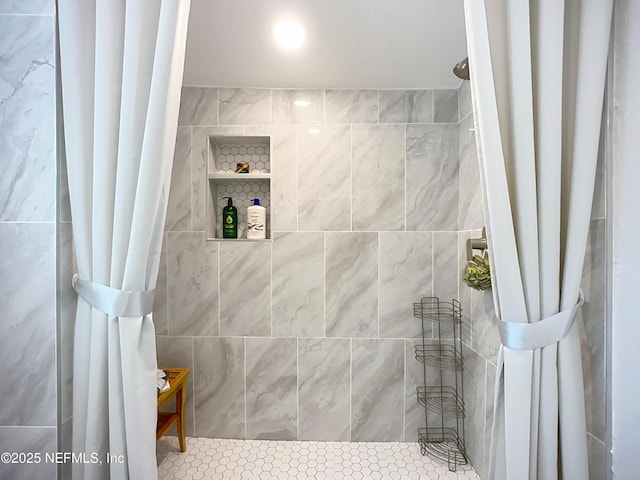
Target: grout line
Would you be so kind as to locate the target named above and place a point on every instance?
(219, 247)
(404, 391)
(378, 283)
(297, 388)
(324, 285)
(433, 272)
(351, 389)
(245, 386)
(297, 129)
(271, 285)
(351, 176)
(405, 178)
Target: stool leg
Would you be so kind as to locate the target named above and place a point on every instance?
(181, 400)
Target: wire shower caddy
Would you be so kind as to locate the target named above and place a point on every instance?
(442, 392)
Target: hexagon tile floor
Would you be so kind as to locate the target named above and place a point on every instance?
(212, 458)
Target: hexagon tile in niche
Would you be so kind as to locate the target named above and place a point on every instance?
(212, 458)
(229, 155)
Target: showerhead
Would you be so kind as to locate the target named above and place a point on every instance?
(461, 70)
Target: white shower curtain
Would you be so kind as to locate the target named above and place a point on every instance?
(121, 66)
(537, 79)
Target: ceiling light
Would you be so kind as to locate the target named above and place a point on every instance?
(301, 103)
(314, 131)
(289, 33)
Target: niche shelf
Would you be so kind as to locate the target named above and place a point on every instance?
(442, 392)
(225, 152)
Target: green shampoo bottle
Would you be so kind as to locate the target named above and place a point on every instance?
(229, 220)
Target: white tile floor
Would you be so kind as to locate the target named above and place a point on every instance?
(210, 458)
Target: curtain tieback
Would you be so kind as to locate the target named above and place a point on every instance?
(119, 303)
(550, 330)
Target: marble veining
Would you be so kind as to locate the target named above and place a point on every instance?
(445, 278)
(414, 416)
(177, 352)
(29, 321)
(201, 159)
(324, 178)
(351, 106)
(471, 210)
(219, 387)
(464, 295)
(245, 106)
(245, 289)
(323, 389)
(284, 178)
(406, 272)
(28, 440)
(489, 404)
(160, 312)
(298, 284)
(290, 106)
(445, 106)
(198, 106)
(351, 272)
(193, 282)
(406, 106)
(597, 458)
(377, 374)
(485, 338)
(378, 178)
(27, 119)
(271, 388)
(31, 7)
(179, 206)
(432, 177)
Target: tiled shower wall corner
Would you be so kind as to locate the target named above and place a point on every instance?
(311, 336)
(28, 414)
(480, 335)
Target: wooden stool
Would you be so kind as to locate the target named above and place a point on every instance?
(177, 381)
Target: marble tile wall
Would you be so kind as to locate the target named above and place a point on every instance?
(311, 335)
(29, 231)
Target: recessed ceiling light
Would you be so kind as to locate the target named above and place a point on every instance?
(301, 103)
(289, 33)
(314, 131)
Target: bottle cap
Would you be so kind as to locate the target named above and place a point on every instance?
(229, 201)
(256, 201)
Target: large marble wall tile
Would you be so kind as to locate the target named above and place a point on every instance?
(593, 316)
(160, 311)
(28, 297)
(351, 106)
(27, 119)
(201, 159)
(28, 440)
(177, 352)
(324, 178)
(464, 291)
(245, 289)
(272, 388)
(475, 375)
(471, 210)
(485, 338)
(323, 389)
(414, 416)
(351, 296)
(378, 178)
(245, 106)
(445, 264)
(445, 106)
(298, 284)
(67, 299)
(179, 207)
(219, 387)
(406, 106)
(597, 458)
(377, 390)
(290, 106)
(406, 263)
(198, 106)
(432, 177)
(192, 284)
(464, 100)
(284, 179)
(26, 7)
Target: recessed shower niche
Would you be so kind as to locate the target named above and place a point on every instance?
(239, 167)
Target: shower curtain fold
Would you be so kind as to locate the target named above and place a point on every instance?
(121, 68)
(537, 80)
